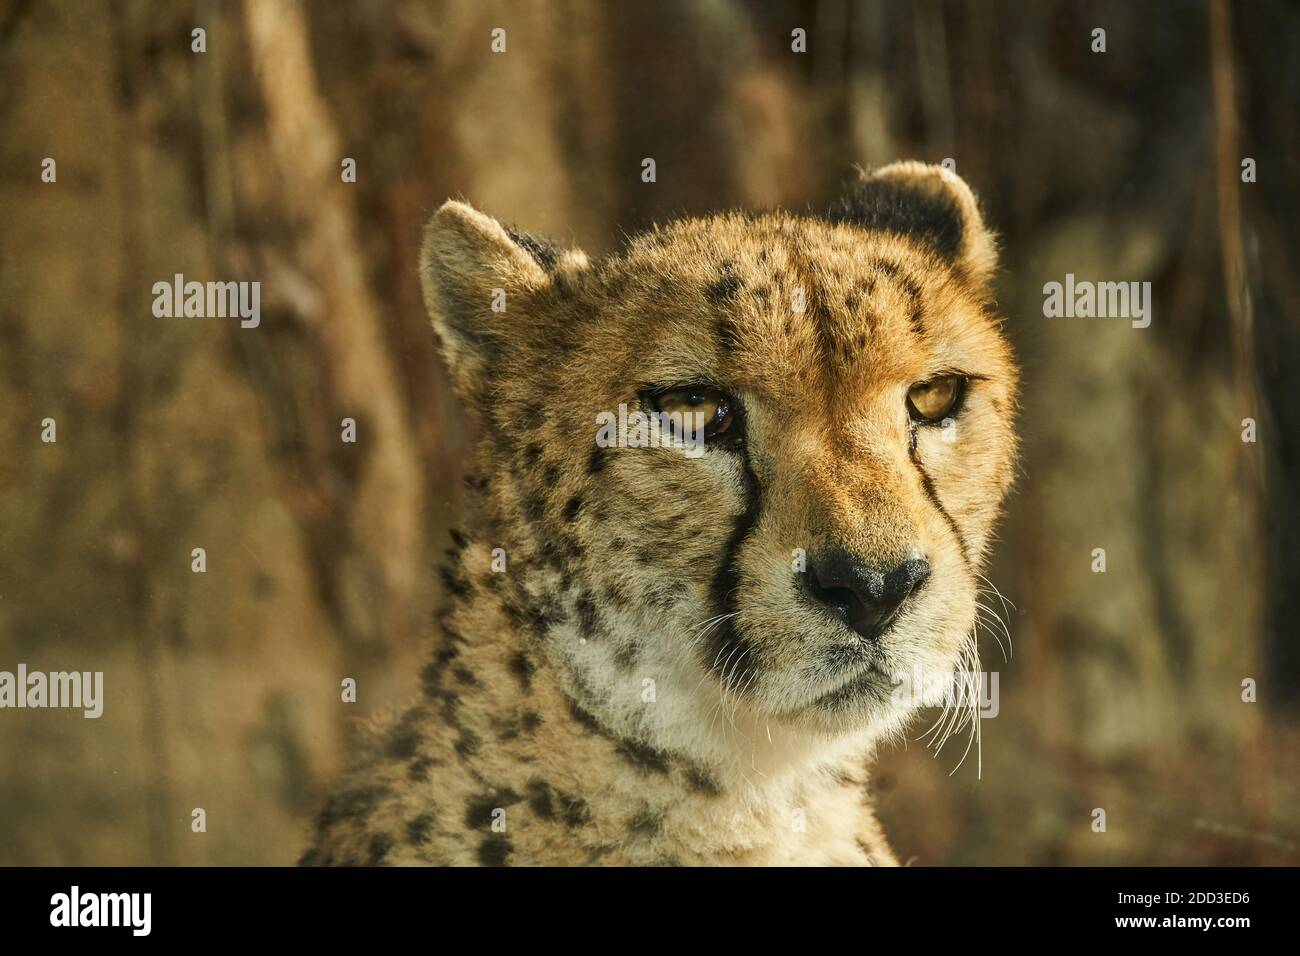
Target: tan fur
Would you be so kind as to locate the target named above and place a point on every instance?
(588, 705)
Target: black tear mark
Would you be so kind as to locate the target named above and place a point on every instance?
(933, 495)
(728, 654)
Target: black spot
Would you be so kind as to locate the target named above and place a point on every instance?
(535, 510)
(380, 844)
(522, 666)
(418, 769)
(728, 332)
(540, 799)
(448, 630)
(353, 804)
(494, 850)
(467, 744)
(532, 453)
(596, 460)
(931, 217)
(465, 676)
(313, 857)
(454, 584)
(662, 597)
(575, 810)
(701, 781)
(572, 508)
(588, 617)
(585, 719)
(842, 777)
(418, 829)
(627, 655)
(643, 756)
(530, 721)
(405, 738)
(458, 538)
(725, 289)
(431, 673)
(647, 822)
(478, 811)
(517, 616)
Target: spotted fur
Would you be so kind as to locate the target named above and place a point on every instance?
(648, 682)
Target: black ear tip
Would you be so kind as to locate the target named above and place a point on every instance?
(906, 206)
(544, 252)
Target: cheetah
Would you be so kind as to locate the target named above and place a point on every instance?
(649, 657)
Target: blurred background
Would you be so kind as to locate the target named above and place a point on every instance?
(1125, 688)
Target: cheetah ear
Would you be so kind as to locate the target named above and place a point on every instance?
(930, 204)
(476, 274)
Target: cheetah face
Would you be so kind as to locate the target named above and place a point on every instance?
(818, 534)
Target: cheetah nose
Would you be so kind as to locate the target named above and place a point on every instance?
(866, 599)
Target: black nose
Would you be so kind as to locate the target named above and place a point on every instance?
(866, 599)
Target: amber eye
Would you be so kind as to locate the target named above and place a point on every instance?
(713, 408)
(933, 401)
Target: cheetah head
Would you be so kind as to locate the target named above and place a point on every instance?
(843, 397)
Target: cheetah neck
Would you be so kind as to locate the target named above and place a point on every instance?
(629, 771)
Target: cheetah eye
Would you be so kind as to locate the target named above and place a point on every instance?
(713, 407)
(931, 402)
